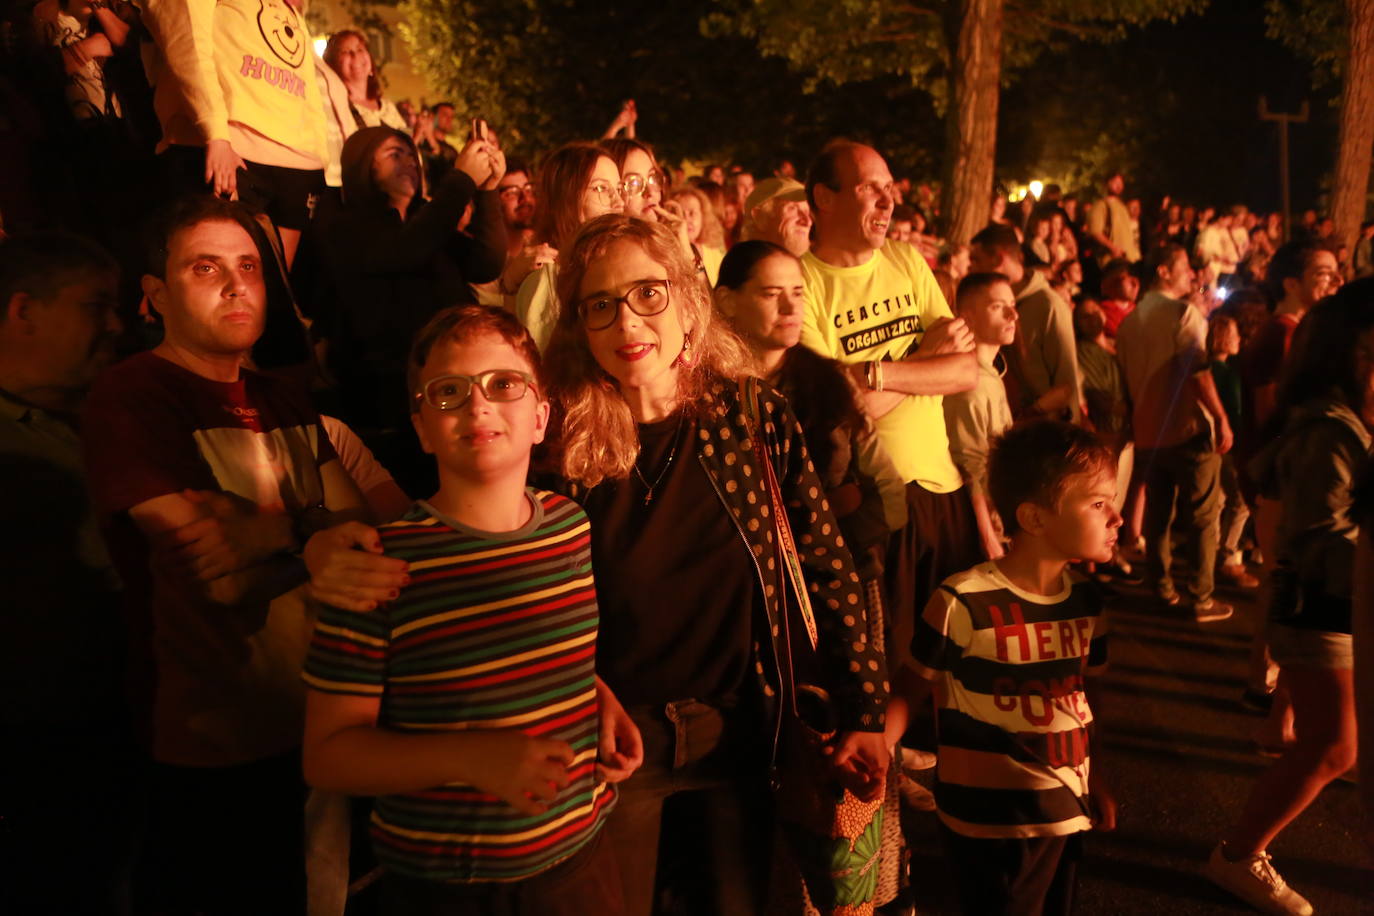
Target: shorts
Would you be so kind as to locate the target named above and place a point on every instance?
(288, 196)
(1298, 647)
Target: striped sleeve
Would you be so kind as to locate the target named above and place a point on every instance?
(942, 633)
(348, 652)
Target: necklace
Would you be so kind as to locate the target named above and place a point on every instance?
(649, 487)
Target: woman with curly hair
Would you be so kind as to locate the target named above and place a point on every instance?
(662, 440)
(704, 229)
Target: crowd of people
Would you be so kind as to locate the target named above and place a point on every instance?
(409, 527)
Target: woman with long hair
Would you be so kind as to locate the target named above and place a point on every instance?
(761, 294)
(663, 440)
(641, 180)
(577, 182)
(1324, 425)
(348, 54)
(703, 227)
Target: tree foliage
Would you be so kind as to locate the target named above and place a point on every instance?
(1315, 30)
(547, 71)
(839, 41)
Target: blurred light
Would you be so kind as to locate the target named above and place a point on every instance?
(320, 45)
(1035, 188)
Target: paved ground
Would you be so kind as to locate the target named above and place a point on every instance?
(1179, 749)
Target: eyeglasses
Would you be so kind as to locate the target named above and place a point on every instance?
(635, 184)
(449, 392)
(513, 191)
(645, 299)
(604, 190)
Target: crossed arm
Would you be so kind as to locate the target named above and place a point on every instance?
(942, 364)
(228, 551)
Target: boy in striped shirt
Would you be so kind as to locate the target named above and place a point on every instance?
(469, 704)
(1008, 646)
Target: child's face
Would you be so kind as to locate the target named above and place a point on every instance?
(1083, 525)
(1226, 341)
(480, 439)
(991, 314)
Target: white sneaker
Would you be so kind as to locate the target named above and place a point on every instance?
(1255, 881)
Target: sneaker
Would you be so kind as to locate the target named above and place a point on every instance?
(1167, 594)
(915, 760)
(1255, 881)
(914, 795)
(1211, 609)
(1237, 575)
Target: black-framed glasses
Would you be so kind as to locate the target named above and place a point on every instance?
(513, 191)
(645, 299)
(449, 392)
(635, 184)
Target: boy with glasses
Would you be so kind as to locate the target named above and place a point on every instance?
(469, 704)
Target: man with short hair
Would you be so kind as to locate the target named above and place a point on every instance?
(1181, 429)
(873, 303)
(1044, 359)
(70, 757)
(776, 211)
(1109, 224)
(516, 191)
(1216, 246)
(1300, 274)
(208, 477)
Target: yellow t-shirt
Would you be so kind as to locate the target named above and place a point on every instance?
(880, 310)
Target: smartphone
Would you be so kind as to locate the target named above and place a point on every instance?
(479, 129)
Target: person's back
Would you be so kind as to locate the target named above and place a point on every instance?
(1159, 344)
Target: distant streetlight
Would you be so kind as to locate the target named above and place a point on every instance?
(1036, 187)
(320, 45)
(1283, 120)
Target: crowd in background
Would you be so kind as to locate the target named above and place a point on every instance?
(230, 268)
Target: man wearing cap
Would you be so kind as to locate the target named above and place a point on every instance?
(776, 211)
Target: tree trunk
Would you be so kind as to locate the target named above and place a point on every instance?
(1351, 187)
(974, 34)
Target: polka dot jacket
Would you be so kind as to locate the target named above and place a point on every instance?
(850, 667)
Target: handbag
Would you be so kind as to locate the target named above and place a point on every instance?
(833, 836)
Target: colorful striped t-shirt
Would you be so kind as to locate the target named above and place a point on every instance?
(1013, 718)
(494, 631)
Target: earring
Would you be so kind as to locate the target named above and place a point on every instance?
(684, 359)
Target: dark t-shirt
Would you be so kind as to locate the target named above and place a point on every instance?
(227, 679)
(674, 580)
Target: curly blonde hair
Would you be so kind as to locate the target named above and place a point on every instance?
(598, 438)
(712, 232)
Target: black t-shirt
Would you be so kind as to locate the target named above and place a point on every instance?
(674, 580)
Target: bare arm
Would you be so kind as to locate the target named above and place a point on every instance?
(345, 751)
(229, 551)
(1206, 388)
(116, 29)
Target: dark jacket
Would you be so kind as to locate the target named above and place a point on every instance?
(846, 453)
(385, 278)
(1311, 469)
(847, 663)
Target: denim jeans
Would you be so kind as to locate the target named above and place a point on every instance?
(700, 799)
(1183, 480)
